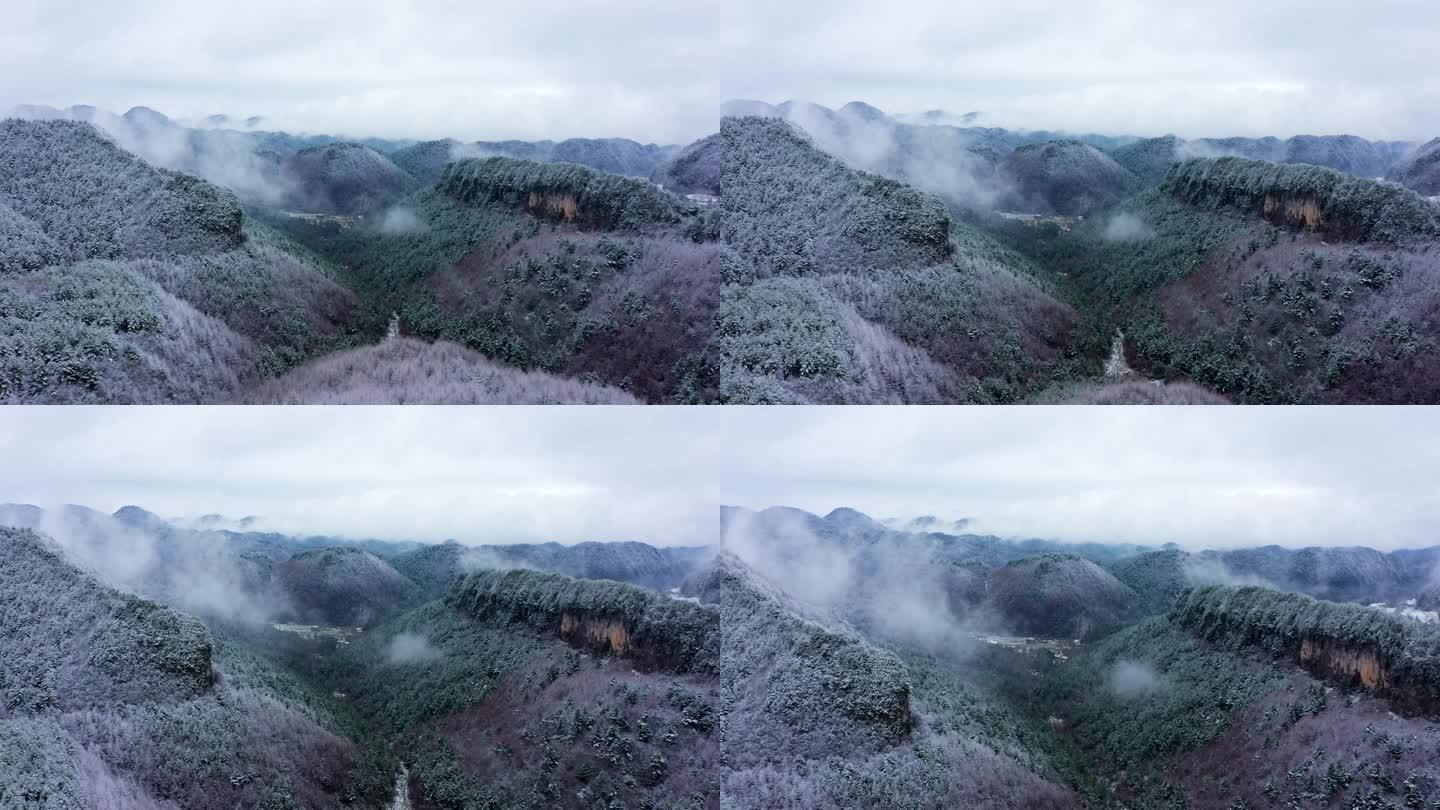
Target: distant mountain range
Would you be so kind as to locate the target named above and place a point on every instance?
(1341, 573)
(961, 162)
(325, 174)
(252, 575)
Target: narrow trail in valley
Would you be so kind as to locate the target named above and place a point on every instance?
(402, 790)
(1115, 367)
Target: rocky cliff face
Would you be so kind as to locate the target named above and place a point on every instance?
(553, 206)
(561, 191)
(605, 634)
(1328, 201)
(1297, 212)
(1349, 645)
(1344, 664)
(655, 631)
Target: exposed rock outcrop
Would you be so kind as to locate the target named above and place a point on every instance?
(655, 631)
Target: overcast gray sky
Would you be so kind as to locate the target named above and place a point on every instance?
(658, 69)
(1201, 477)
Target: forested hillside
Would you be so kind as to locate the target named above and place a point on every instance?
(851, 287)
(115, 701)
(1151, 158)
(815, 716)
(1225, 697)
(1349, 645)
(342, 178)
(543, 267)
(435, 568)
(1069, 178)
(1207, 708)
(800, 255)
(694, 169)
(1060, 595)
(512, 689)
(126, 283)
(828, 661)
(523, 689)
(1265, 283)
(426, 161)
(1419, 171)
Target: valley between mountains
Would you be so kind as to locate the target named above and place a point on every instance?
(794, 661)
(798, 254)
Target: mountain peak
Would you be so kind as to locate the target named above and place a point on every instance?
(865, 111)
(146, 116)
(139, 518)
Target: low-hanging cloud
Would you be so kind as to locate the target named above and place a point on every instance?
(938, 160)
(1129, 679)
(410, 648)
(229, 158)
(1126, 227)
(195, 570)
(402, 220)
(902, 596)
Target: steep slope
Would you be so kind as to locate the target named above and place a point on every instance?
(854, 219)
(851, 287)
(1419, 171)
(1069, 178)
(233, 154)
(815, 716)
(959, 164)
(46, 165)
(115, 701)
(343, 178)
(550, 267)
(1325, 201)
(569, 193)
(118, 649)
(1059, 595)
(534, 690)
(1167, 718)
(1349, 645)
(126, 283)
(655, 631)
(1264, 283)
